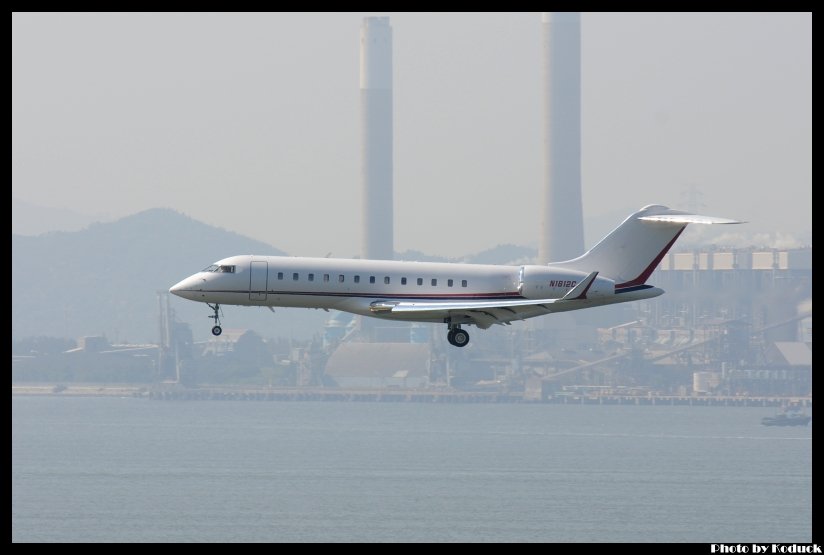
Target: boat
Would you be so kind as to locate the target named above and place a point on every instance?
(785, 419)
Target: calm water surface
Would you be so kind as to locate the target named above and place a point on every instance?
(109, 469)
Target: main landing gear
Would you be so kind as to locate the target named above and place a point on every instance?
(216, 330)
(457, 336)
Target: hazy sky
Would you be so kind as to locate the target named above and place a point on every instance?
(251, 121)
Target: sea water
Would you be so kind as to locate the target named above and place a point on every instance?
(100, 469)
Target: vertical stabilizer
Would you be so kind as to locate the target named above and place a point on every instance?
(632, 251)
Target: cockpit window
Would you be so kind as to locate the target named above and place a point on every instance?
(225, 269)
(211, 268)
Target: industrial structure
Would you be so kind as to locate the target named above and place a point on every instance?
(562, 224)
(377, 240)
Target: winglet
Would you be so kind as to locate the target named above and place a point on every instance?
(579, 292)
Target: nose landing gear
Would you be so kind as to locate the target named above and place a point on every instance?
(216, 330)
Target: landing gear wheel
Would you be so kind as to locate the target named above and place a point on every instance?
(457, 337)
(217, 330)
(460, 337)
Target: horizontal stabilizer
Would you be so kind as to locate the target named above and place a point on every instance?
(688, 219)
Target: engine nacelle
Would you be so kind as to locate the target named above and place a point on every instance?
(544, 282)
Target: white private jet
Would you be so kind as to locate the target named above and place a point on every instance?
(613, 271)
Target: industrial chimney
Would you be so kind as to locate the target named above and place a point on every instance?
(376, 140)
(562, 226)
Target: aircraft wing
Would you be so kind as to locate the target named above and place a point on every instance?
(485, 313)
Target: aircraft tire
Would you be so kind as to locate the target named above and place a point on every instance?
(450, 336)
(460, 338)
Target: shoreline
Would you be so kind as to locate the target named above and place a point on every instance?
(173, 392)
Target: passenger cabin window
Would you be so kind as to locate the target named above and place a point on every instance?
(340, 278)
(386, 280)
(280, 275)
(449, 282)
(311, 277)
(463, 283)
(371, 279)
(211, 268)
(326, 278)
(295, 276)
(434, 281)
(420, 281)
(357, 279)
(225, 270)
(403, 281)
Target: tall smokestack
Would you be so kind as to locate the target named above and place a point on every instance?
(376, 142)
(562, 225)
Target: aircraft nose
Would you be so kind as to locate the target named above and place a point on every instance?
(186, 288)
(177, 288)
(174, 289)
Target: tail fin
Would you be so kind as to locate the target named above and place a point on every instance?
(632, 251)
